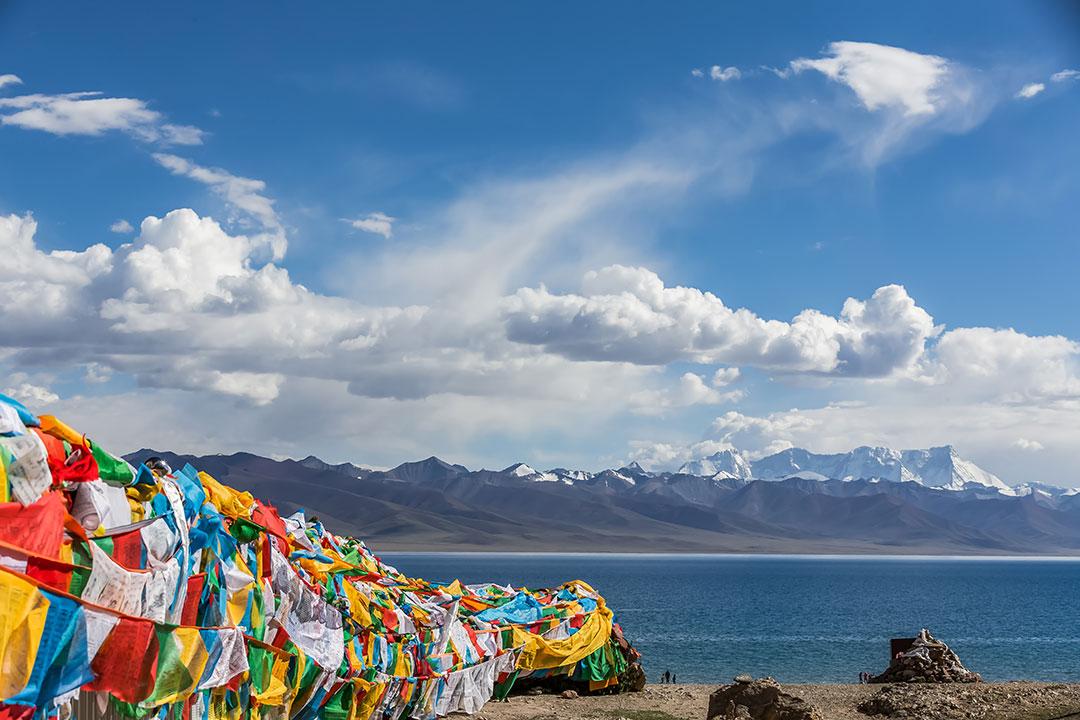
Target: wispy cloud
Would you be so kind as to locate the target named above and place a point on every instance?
(719, 73)
(376, 223)
(9, 79)
(1030, 90)
(91, 113)
(724, 74)
(245, 195)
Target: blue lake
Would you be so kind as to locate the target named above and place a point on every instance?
(809, 619)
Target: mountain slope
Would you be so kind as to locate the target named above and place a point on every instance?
(432, 504)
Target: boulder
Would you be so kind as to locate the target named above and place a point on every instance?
(633, 678)
(927, 661)
(569, 695)
(761, 699)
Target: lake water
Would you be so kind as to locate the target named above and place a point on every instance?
(809, 619)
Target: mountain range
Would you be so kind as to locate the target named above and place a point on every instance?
(940, 467)
(871, 500)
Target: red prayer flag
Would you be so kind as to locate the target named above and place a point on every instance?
(127, 549)
(126, 664)
(190, 614)
(16, 712)
(52, 573)
(37, 528)
(267, 516)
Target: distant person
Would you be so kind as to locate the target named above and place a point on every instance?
(673, 680)
(667, 676)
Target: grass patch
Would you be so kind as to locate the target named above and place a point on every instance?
(642, 715)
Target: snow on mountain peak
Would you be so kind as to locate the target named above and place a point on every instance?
(725, 463)
(938, 467)
(521, 470)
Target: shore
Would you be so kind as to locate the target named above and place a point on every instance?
(984, 701)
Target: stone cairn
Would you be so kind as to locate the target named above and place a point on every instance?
(762, 699)
(928, 660)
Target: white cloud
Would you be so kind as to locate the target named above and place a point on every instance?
(660, 456)
(31, 394)
(187, 305)
(760, 436)
(698, 73)
(9, 79)
(626, 314)
(376, 223)
(725, 376)
(121, 227)
(981, 390)
(690, 390)
(245, 195)
(724, 74)
(1063, 75)
(1030, 90)
(89, 113)
(1007, 366)
(96, 373)
(883, 76)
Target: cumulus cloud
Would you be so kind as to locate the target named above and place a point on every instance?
(96, 373)
(690, 390)
(627, 314)
(9, 79)
(1030, 90)
(1007, 366)
(188, 305)
(882, 76)
(725, 376)
(31, 394)
(1028, 445)
(376, 223)
(91, 113)
(121, 227)
(760, 436)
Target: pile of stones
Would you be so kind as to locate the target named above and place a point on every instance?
(928, 660)
(762, 699)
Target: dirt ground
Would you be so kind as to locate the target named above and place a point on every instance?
(985, 701)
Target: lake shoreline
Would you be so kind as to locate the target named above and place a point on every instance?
(1019, 700)
(730, 555)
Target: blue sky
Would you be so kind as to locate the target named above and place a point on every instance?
(424, 229)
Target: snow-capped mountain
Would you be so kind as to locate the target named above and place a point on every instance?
(940, 467)
(522, 470)
(726, 463)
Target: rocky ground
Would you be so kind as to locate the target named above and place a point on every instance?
(982, 701)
